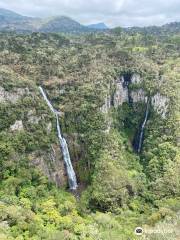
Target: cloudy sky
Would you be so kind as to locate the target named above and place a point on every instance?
(112, 12)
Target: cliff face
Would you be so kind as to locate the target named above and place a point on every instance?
(107, 105)
(138, 96)
(160, 104)
(12, 96)
(51, 164)
(17, 126)
(123, 94)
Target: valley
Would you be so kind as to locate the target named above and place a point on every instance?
(89, 132)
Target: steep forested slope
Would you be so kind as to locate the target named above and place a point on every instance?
(101, 85)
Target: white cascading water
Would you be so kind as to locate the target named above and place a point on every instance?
(64, 147)
(143, 126)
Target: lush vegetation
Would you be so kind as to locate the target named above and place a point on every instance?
(118, 188)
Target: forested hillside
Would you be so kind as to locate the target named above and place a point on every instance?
(116, 96)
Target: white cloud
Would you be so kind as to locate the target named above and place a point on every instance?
(112, 12)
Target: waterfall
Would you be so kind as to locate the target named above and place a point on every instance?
(46, 99)
(143, 127)
(63, 145)
(66, 156)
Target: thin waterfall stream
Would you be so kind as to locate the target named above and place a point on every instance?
(63, 145)
(140, 142)
(139, 137)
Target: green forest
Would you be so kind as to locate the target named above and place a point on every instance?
(103, 84)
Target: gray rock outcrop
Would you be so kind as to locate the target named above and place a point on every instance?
(17, 126)
(122, 94)
(12, 96)
(51, 164)
(160, 104)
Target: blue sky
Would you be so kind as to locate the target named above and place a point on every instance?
(112, 12)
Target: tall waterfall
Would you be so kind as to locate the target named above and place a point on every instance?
(63, 145)
(143, 127)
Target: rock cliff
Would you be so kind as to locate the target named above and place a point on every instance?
(123, 93)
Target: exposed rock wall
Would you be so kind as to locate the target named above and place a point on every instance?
(138, 96)
(107, 105)
(12, 96)
(17, 126)
(136, 78)
(122, 94)
(51, 164)
(160, 104)
(32, 118)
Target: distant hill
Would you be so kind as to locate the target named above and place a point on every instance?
(173, 27)
(62, 24)
(9, 16)
(11, 21)
(98, 26)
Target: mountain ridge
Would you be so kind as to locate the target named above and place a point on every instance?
(11, 14)
(63, 23)
(100, 26)
(12, 21)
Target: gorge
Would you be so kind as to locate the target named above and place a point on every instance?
(89, 136)
(129, 89)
